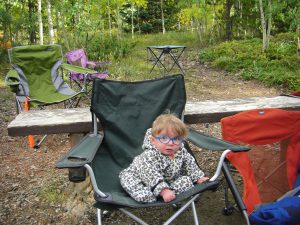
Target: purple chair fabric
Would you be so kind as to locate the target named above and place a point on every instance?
(78, 57)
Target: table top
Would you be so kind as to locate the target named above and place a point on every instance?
(166, 46)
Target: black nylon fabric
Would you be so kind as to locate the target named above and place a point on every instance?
(212, 143)
(123, 200)
(126, 110)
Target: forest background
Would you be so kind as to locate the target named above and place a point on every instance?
(256, 39)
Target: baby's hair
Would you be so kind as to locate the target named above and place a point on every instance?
(169, 121)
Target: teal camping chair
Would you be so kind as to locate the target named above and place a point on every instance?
(125, 111)
(35, 76)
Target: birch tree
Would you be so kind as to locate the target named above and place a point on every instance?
(31, 25)
(266, 22)
(109, 18)
(134, 6)
(40, 22)
(50, 23)
(228, 20)
(162, 16)
(64, 33)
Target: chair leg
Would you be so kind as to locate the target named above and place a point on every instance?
(184, 207)
(18, 106)
(191, 203)
(37, 146)
(99, 219)
(244, 212)
(235, 192)
(132, 216)
(196, 221)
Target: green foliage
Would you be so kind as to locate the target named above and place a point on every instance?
(105, 47)
(150, 17)
(135, 66)
(170, 38)
(52, 193)
(278, 66)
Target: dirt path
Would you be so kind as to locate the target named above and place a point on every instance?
(34, 192)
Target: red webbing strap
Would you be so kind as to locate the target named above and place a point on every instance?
(30, 137)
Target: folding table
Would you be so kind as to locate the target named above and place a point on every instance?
(158, 55)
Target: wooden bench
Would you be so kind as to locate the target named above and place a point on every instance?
(78, 120)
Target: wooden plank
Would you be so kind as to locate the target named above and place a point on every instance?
(213, 111)
(78, 120)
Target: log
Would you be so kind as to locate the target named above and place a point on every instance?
(78, 120)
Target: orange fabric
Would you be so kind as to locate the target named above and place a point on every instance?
(259, 127)
(293, 158)
(30, 137)
(250, 193)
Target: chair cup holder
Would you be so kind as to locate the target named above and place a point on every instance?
(77, 174)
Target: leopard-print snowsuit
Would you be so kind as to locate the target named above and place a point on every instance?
(151, 172)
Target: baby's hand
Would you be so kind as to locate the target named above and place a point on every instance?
(167, 195)
(202, 179)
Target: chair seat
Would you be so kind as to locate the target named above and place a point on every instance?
(80, 76)
(122, 199)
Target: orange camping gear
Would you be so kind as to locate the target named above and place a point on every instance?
(269, 170)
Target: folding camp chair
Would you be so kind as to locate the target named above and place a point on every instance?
(35, 77)
(79, 57)
(271, 167)
(125, 111)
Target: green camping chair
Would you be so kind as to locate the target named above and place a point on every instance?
(35, 76)
(125, 111)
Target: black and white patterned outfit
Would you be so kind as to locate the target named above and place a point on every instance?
(151, 172)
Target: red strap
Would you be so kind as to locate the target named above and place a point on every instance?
(30, 137)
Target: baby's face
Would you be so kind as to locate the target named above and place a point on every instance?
(169, 148)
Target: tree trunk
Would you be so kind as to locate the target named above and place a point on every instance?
(50, 23)
(119, 22)
(214, 14)
(109, 19)
(269, 21)
(40, 22)
(162, 16)
(263, 25)
(138, 20)
(63, 25)
(240, 28)
(132, 25)
(32, 34)
(228, 20)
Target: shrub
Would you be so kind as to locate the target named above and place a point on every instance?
(277, 66)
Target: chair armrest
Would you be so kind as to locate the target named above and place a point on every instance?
(82, 153)
(78, 69)
(94, 64)
(12, 80)
(211, 143)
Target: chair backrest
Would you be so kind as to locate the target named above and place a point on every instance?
(127, 109)
(77, 57)
(270, 168)
(37, 66)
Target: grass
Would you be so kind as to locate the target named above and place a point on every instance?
(134, 65)
(52, 192)
(277, 66)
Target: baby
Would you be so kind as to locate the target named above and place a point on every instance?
(165, 168)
